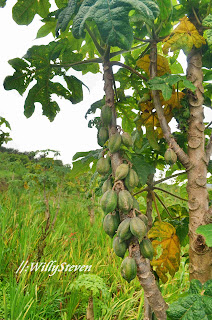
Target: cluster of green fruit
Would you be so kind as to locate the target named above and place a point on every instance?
(116, 139)
(112, 204)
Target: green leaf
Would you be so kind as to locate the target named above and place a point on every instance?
(206, 231)
(3, 3)
(151, 136)
(65, 16)
(112, 19)
(195, 305)
(17, 81)
(207, 22)
(24, 11)
(142, 168)
(48, 27)
(165, 7)
(75, 87)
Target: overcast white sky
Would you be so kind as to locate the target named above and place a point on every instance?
(69, 132)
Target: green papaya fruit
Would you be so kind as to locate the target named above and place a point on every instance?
(127, 139)
(119, 247)
(125, 201)
(114, 143)
(102, 166)
(170, 156)
(131, 181)
(128, 269)
(121, 171)
(138, 228)
(147, 249)
(143, 218)
(110, 224)
(106, 115)
(107, 185)
(136, 204)
(102, 136)
(108, 201)
(123, 231)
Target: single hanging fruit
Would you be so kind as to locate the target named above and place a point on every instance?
(123, 231)
(106, 115)
(131, 181)
(108, 201)
(102, 166)
(107, 185)
(110, 224)
(143, 218)
(125, 201)
(128, 269)
(114, 143)
(119, 247)
(170, 156)
(138, 228)
(127, 139)
(102, 136)
(147, 249)
(121, 171)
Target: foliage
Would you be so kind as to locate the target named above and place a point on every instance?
(169, 260)
(4, 136)
(206, 231)
(195, 304)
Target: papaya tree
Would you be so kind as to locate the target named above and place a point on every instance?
(143, 38)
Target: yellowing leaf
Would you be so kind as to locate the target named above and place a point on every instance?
(169, 260)
(162, 64)
(185, 36)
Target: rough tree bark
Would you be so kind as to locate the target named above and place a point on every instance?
(195, 163)
(145, 276)
(200, 256)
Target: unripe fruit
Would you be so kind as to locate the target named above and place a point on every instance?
(108, 201)
(102, 166)
(128, 269)
(102, 136)
(170, 156)
(127, 139)
(107, 185)
(131, 181)
(138, 228)
(106, 115)
(143, 218)
(119, 247)
(121, 171)
(125, 201)
(110, 224)
(114, 143)
(147, 249)
(123, 231)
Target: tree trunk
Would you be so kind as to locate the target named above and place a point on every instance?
(200, 256)
(90, 312)
(144, 273)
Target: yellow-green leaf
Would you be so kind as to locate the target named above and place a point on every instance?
(164, 235)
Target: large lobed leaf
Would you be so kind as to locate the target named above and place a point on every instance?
(36, 65)
(111, 17)
(195, 305)
(169, 260)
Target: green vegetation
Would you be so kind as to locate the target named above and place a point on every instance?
(72, 239)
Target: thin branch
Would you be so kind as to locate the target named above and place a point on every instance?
(97, 45)
(170, 177)
(117, 53)
(143, 40)
(95, 60)
(209, 149)
(208, 125)
(195, 14)
(117, 63)
(163, 204)
(182, 156)
(156, 207)
(170, 193)
(142, 190)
